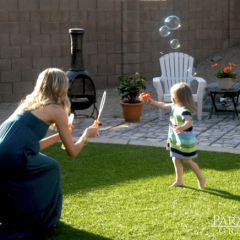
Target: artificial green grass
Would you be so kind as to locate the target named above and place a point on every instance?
(115, 191)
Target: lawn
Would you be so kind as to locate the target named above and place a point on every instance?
(115, 191)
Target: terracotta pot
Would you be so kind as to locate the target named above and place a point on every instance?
(131, 111)
(225, 83)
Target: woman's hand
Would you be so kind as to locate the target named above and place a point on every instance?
(96, 123)
(70, 127)
(91, 132)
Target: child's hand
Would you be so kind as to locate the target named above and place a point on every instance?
(186, 125)
(178, 129)
(144, 96)
(150, 101)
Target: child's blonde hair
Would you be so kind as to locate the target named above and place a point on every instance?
(182, 93)
(51, 86)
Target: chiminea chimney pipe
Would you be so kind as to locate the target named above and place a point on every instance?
(76, 37)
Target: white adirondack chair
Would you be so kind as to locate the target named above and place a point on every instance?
(174, 67)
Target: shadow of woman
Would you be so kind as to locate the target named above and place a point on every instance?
(217, 192)
(63, 231)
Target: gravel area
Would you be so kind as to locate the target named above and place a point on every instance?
(229, 55)
(112, 108)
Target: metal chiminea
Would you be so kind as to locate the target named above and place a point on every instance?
(81, 91)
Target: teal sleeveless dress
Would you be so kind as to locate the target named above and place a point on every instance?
(30, 186)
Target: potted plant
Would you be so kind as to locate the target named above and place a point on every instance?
(225, 77)
(130, 87)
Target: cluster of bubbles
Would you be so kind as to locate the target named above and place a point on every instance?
(171, 23)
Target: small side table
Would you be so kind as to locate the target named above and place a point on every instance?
(231, 93)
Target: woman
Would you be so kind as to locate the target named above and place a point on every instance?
(31, 198)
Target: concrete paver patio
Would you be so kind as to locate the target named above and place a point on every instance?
(220, 133)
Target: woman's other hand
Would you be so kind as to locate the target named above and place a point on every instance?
(70, 127)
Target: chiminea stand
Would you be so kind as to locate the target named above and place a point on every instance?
(81, 92)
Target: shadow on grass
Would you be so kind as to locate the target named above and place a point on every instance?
(216, 192)
(100, 165)
(64, 231)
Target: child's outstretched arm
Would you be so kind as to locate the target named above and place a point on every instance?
(162, 105)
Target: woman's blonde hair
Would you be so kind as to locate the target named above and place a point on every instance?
(51, 86)
(182, 94)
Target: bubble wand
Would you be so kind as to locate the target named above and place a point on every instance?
(70, 121)
(101, 108)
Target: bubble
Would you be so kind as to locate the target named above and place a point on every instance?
(173, 22)
(164, 31)
(192, 71)
(174, 43)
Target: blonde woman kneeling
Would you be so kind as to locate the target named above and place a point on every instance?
(31, 198)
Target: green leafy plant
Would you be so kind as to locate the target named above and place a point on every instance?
(226, 72)
(130, 87)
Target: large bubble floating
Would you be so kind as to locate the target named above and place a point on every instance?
(164, 31)
(174, 43)
(173, 22)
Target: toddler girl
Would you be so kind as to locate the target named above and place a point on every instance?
(181, 137)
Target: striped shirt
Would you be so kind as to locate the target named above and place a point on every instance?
(181, 145)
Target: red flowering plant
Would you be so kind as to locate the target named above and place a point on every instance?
(130, 87)
(226, 72)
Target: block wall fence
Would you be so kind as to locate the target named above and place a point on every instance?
(121, 37)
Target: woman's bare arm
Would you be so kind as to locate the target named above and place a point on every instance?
(47, 142)
(73, 149)
(52, 114)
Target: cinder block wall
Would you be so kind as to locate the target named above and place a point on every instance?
(121, 37)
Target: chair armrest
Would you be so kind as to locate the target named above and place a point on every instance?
(201, 81)
(202, 84)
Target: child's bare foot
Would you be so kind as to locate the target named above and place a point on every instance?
(176, 184)
(201, 183)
